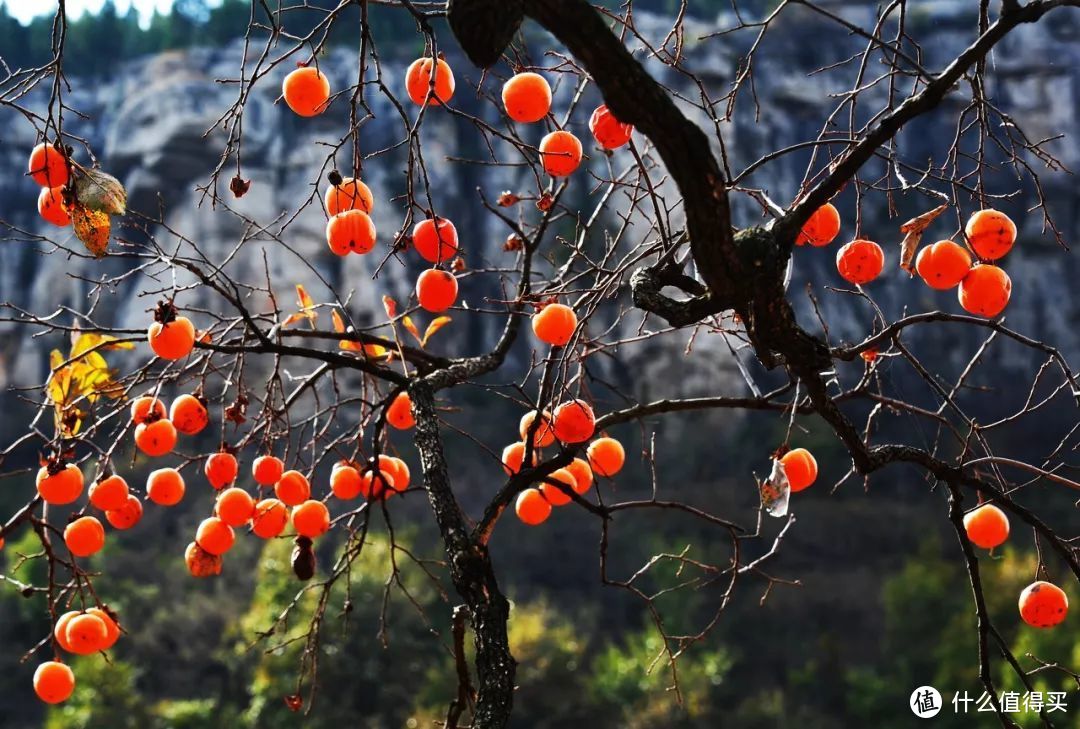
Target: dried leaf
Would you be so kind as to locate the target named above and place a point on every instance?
(100, 192)
(775, 491)
(913, 231)
(92, 228)
(436, 324)
(411, 328)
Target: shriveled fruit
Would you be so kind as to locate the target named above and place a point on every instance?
(270, 518)
(85, 536)
(435, 239)
(436, 290)
(293, 488)
(306, 91)
(112, 630)
(943, 265)
(609, 132)
(555, 495)
(60, 629)
(51, 208)
(991, 234)
(127, 515)
(173, 340)
(311, 519)
(221, 469)
(201, 563)
(350, 232)
(235, 506)
(165, 486)
(267, 470)
(985, 291)
(531, 507)
(986, 526)
(1043, 604)
(573, 422)
(800, 467)
(109, 493)
(606, 456)
(526, 97)
(822, 227)
(544, 436)
(156, 438)
(215, 536)
(554, 324)
(86, 634)
(860, 261)
(351, 194)
(48, 166)
(423, 77)
(583, 475)
(53, 682)
(189, 415)
(60, 487)
(146, 408)
(560, 153)
(345, 482)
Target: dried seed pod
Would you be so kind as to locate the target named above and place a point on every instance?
(303, 559)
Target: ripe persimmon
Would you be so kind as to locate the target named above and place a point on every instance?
(267, 470)
(800, 467)
(201, 563)
(543, 436)
(399, 412)
(311, 519)
(112, 630)
(156, 438)
(513, 456)
(350, 232)
(397, 469)
(606, 456)
(62, 486)
(1043, 604)
(609, 132)
(560, 153)
(986, 526)
(822, 227)
(53, 682)
(165, 487)
(985, 291)
(573, 422)
(526, 97)
(188, 415)
(235, 507)
(991, 234)
(50, 205)
(943, 265)
(292, 488)
(435, 239)
(84, 536)
(306, 91)
(86, 634)
(422, 75)
(583, 475)
(554, 324)
(377, 483)
(108, 493)
(214, 535)
(555, 495)
(146, 408)
(173, 340)
(345, 482)
(436, 290)
(860, 261)
(351, 194)
(531, 507)
(48, 166)
(127, 515)
(221, 469)
(60, 629)
(269, 519)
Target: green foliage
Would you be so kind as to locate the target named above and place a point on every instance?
(107, 698)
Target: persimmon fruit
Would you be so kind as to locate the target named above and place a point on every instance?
(800, 467)
(531, 507)
(112, 630)
(54, 682)
(349, 194)
(346, 482)
(270, 518)
(51, 207)
(583, 475)
(423, 76)
(127, 515)
(267, 470)
(201, 563)
(173, 340)
(188, 415)
(146, 408)
(560, 153)
(157, 438)
(606, 456)
(221, 469)
(311, 519)
(235, 506)
(822, 227)
(108, 493)
(436, 290)
(555, 324)
(526, 97)
(609, 132)
(435, 239)
(990, 233)
(860, 261)
(63, 486)
(985, 290)
(86, 634)
(215, 535)
(555, 495)
(48, 166)
(85, 536)
(986, 526)
(544, 436)
(292, 488)
(1043, 604)
(573, 422)
(350, 232)
(306, 91)
(943, 265)
(165, 487)
(399, 412)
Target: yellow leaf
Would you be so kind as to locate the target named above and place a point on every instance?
(92, 228)
(390, 306)
(436, 324)
(293, 318)
(86, 341)
(339, 323)
(408, 323)
(306, 304)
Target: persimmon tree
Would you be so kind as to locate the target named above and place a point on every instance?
(311, 400)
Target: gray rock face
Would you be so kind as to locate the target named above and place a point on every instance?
(148, 125)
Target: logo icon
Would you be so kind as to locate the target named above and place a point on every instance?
(925, 702)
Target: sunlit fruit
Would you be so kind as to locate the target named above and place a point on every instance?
(173, 340)
(554, 324)
(235, 506)
(127, 515)
(800, 467)
(146, 408)
(156, 438)
(860, 261)
(165, 487)
(306, 91)
(60, 629)
(573, 422)
(62, 486)
(48, 166)
(526, 97)
(112, 630)
(531, 507)
(377, 483)
(269, 519)
(609, 132)
(985, 291)
(583, 475)
(188, 415)
(221, 469)
(351, 194)
(311, 519)
(292, 488)
(53, 682)
(435, 239)
(543, 436)
(345, 482)
(51, 207)
(560, 153)
(943, 265)
(350, 232)
(399, 412)
(215, 536)
(1043, 604)
(85, 536)
(606, 456)
(424, 77)
(513, 456)
(267, 470)
(987, 526)
(555, 495)
(822, 227)
(108, 493)
(436, 290)
(398, 470)
(991, 234)
(86, 634)
(201, 563)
